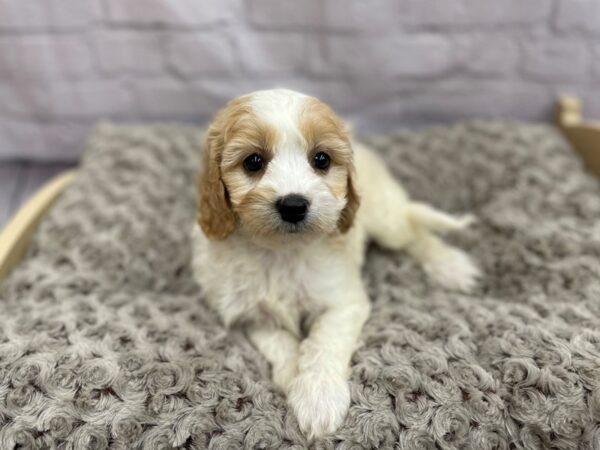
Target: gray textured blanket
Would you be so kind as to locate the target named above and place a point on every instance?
(105, 341)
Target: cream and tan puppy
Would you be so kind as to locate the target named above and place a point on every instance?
(287, 204)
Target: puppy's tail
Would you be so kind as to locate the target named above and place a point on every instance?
(424, 216)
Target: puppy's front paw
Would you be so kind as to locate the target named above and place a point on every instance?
(320, 402)
(453, 269)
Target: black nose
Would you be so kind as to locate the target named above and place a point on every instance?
(292, 208)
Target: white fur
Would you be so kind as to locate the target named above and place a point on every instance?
(273, 289)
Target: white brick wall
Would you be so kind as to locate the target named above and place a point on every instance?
(46, 15)
(198, 54)
(44, 57)
(122, 52)
(65, 64)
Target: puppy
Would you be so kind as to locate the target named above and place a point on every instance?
(287, 202)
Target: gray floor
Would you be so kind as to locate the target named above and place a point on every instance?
(19, 180)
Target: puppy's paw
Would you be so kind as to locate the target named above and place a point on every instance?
(320, 402)
(453, 269)
(284, 374)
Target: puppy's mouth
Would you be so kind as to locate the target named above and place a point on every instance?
(292, 228)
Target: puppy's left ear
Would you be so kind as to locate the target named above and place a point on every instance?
(352, 203)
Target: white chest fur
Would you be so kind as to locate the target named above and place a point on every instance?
(288, 285)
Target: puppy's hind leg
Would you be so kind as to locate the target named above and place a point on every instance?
(445, 264)
(397, 223)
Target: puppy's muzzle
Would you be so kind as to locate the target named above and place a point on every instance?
(292, 208)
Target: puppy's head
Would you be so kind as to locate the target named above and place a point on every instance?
(276, 164)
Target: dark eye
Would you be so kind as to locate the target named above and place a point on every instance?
(253, 163)
(321, 161)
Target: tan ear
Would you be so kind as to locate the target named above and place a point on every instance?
(352, 203)
(215, 216)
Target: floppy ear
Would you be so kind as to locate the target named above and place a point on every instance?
(215, 216)
(352, 203)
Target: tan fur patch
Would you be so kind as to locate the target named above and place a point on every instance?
(322, 128)
(325, 131)
(234, 134)
(248, 135)
(352, 203)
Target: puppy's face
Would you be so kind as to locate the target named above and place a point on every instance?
(277, 164)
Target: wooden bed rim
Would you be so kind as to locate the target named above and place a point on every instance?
(15, 238)
(583, 136)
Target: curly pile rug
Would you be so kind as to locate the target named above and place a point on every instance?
(106, 342)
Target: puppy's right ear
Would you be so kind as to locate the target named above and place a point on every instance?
(215, 216)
